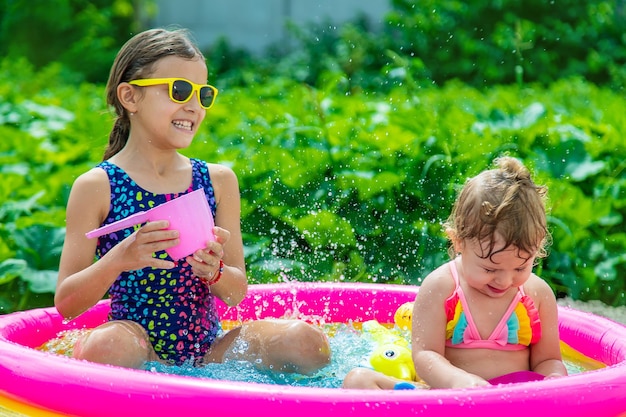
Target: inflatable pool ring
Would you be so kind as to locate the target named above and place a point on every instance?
(33, 382)
(391, 354)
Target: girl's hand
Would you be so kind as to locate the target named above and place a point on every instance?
(205, 263)
(469, 381)
(137, 250)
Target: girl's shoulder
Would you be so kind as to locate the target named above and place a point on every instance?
(439, 282)
(96, 177)
(222, 175)
(219, 169)
(536, 284)
(539, 291)
(90, 193)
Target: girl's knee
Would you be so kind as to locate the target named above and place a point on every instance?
(281, 345)
(116, 343)
(312, 349)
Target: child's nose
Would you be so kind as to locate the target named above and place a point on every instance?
(504, 279)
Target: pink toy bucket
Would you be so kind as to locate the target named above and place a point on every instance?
(189, 214)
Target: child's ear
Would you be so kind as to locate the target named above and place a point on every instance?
(128, 97)
(458, 245)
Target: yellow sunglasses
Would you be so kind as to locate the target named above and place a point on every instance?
(181, 90)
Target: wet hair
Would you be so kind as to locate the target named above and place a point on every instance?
(135, 60)
(503, 201)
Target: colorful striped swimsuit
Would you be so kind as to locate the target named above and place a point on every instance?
(518, 328)
(174, 306)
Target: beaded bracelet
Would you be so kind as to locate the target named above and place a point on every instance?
(218, 274)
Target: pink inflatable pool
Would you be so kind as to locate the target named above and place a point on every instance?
(33, 382)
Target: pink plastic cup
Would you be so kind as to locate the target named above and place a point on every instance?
(189, 214)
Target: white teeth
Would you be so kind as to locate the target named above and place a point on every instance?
(182, 124)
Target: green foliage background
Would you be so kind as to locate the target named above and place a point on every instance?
(350, 148)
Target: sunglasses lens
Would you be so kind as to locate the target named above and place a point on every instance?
(181, 90)
(207, 95)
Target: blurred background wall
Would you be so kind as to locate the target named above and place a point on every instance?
(257, 24)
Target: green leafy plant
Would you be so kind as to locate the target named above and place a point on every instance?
(355, 187)
(84, 36)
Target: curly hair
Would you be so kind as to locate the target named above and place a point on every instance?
(503, 201)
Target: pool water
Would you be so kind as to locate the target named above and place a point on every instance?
(350, 348)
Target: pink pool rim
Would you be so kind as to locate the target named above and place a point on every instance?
(65, 386)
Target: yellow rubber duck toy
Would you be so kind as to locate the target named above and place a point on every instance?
(393, 360)
(392, 355)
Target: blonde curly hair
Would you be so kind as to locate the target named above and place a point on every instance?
(503, 201)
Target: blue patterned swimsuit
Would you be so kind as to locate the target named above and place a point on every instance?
(174, 306)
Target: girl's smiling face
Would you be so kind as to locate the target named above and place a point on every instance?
(496, 273)
(161, 121)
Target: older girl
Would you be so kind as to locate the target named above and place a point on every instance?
(162, 309)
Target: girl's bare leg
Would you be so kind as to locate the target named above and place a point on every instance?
(122, 343)
(279, 345)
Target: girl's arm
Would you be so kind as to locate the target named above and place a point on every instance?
(545, 356)
(81, 282)
(429, 335)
